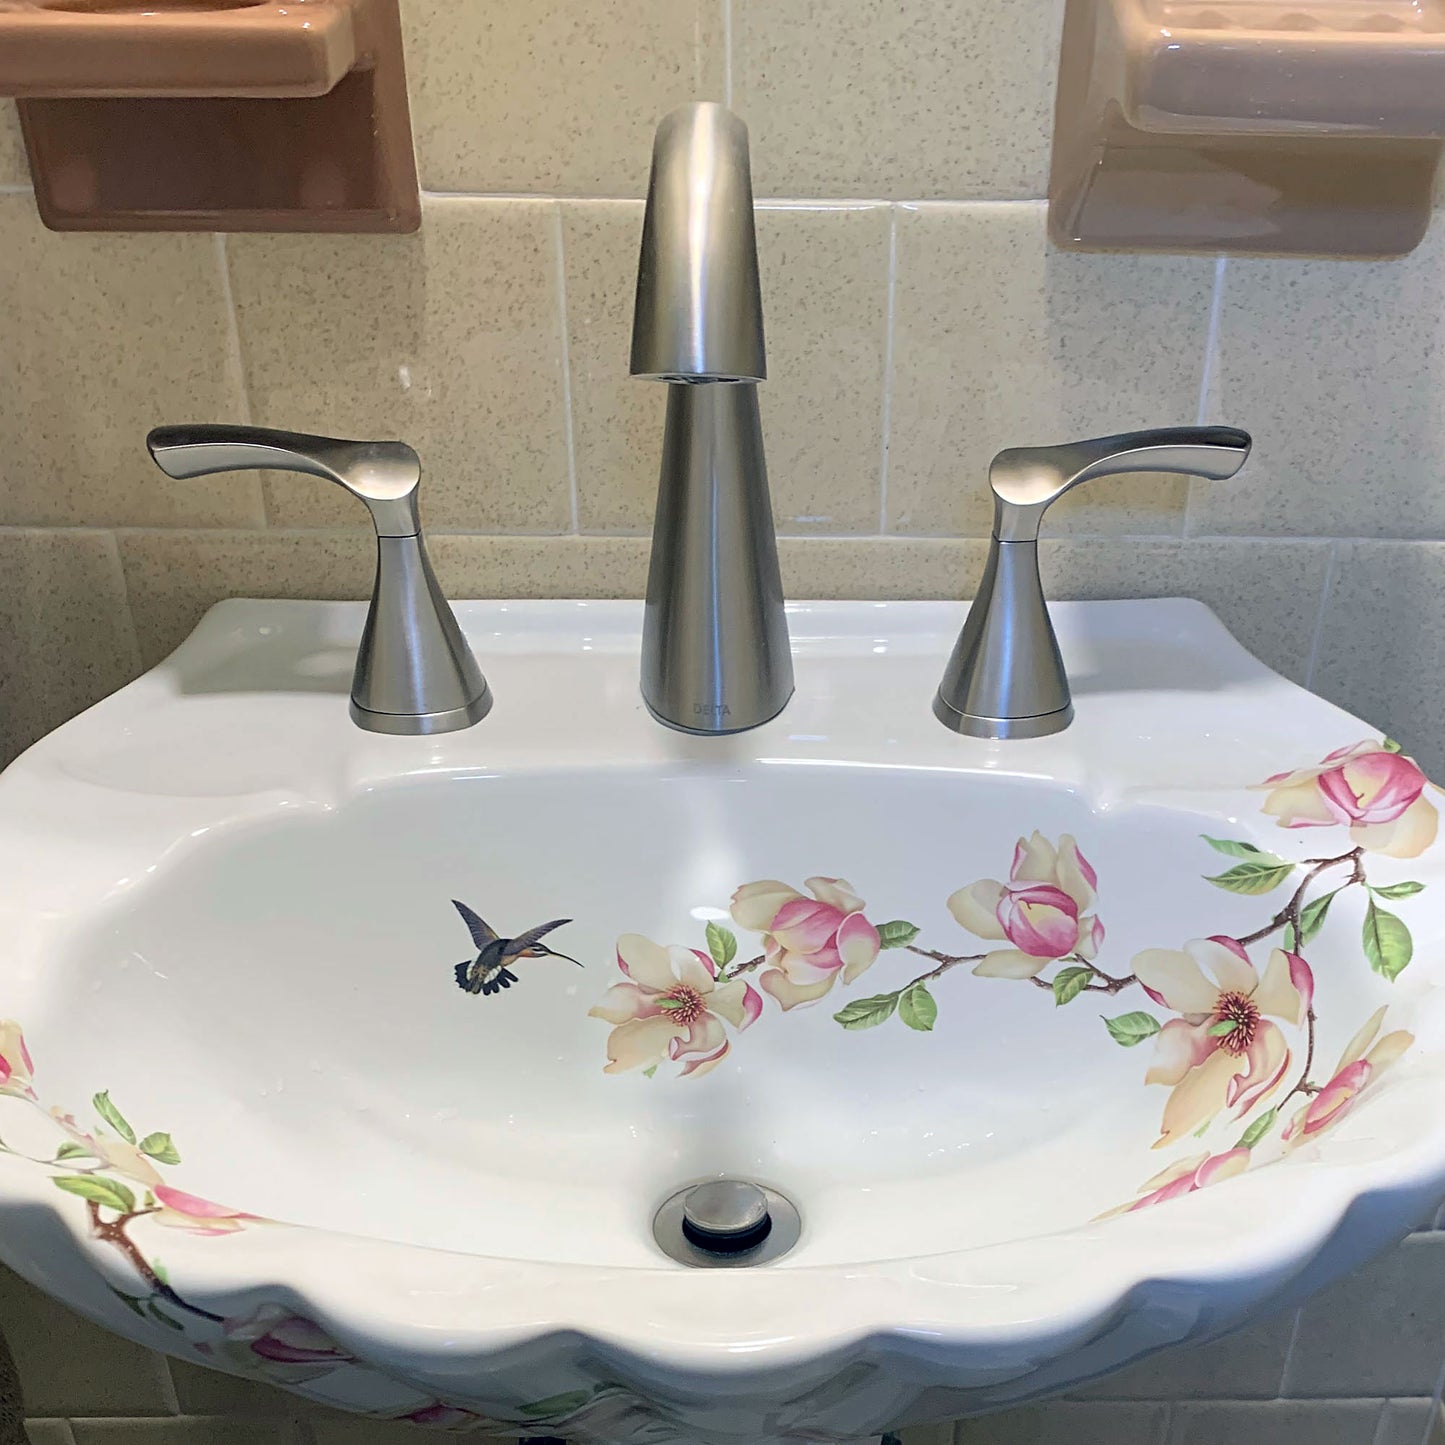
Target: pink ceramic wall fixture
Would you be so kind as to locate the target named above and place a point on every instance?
(235, 115)
(1255, 127)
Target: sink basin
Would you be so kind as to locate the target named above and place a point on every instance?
(1064, 1050)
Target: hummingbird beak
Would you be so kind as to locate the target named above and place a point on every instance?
(552, 953)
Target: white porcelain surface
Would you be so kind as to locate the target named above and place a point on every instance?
(232, 911)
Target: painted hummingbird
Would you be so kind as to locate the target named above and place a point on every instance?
(489, 971)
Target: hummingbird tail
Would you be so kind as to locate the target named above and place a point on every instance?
(504, 979)
(464, 981)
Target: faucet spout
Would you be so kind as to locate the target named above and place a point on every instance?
(715, 650)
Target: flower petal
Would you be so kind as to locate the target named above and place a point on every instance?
(976, 908)
(1035, 860)
(1174, 977)
(1227, 960)
(621, 1002)
(1180, 1169)
(1389, 1050)
(1010, 963)
(639, 1043)
(1264, 1062)
(646, 963)
(1197, 1098)
(704, 1037)
(804, 926)
(1408, 836)
(694, 969)
(1357, 1046)
(1075, 874)
(1279, 994)
(1219, 1167)
(1090, 939)
(836, 893)
(1298, 802)
(1180, 1047)
(793, 995)
(857, 944)
(729, 1001)
(755, 905)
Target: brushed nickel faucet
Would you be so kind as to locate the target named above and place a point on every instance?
(715, 650)
(1006, 678)
(415, 674)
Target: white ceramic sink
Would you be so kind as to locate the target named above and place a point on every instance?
(1089, 1133)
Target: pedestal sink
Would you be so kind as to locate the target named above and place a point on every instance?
(1064, 1050)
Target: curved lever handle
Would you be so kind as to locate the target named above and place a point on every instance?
(384, 475)
(1025, 480)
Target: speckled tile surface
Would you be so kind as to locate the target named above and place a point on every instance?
(14, 170)
(553, 96)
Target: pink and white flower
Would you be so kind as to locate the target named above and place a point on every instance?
(180, 1210)
(1376, 793)
(440, 1416)
(1042, 911)
(16, 1070)
(114, 1153)
(283, 1346)
(673, 1007)
(1362, 1062)
(1222, 1052)
(810, 943)
(1186, 1177)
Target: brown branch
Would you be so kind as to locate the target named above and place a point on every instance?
(945, 961)
(113, 1233)
(1290, 913)
(727, 975)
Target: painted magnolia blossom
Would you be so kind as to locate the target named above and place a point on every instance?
(809, 943)
(1362, 1062)
(16, 1070)
(274, 1342)
(1042, 911)
(1186, 1176)
(673, 1006)
(1223, 1052)
(179, 1210)
(113, 1152)
(440, 1416)
(1376, 792)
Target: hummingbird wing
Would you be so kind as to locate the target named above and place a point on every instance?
(523, 941)
(482, 933)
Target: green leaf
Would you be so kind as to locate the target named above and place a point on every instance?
(1258, 1130)
(1132, 1029)
(160, 1148)
(867, 1013)
(1398, 890)
(161, 1317)
(1232, 848)
(1259, 875)
(1223, 1028)
(1289, 940)
(1069, 983)
(918, 1008)
(557, 1404)
(113, 1116)
(1387, 941)
(160, 1271)
(1312, 919)
(722, 943)
(897, 934)
(649, 1071)
(98, 1189)
(132, 1302)
(1390, 745)
(71, 1150)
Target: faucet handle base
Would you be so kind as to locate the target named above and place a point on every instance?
(423, 724)
(1041, 725)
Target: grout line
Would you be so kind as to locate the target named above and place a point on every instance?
(1289, 1355)
(921, 202)
(566, 343)
(15, 188)
(168, 1386)
(136, 655)
(727, 23)
(1332, 568)
(1207, 373)
(887, 415)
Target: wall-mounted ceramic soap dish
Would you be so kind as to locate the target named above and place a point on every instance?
(1248, 126)
(213, 114)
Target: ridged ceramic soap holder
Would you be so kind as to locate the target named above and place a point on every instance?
(1248, 126)
(213, 114)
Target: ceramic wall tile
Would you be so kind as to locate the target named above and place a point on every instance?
(14, 170)
(1382, 642)
(70, 1367)
(1379, 1332)
(449, 339)
(196, 1430)
(65, 630)
(1251, 1360)
(1276, 1422)
(825, 291)
(48, 1432)
(1000, 341)
(120, 332)
(902, 99)
(1068, 1423)
(1336, 367)
(206, 1392)
(553, 96)
(338, 1429)
(1406, 1422)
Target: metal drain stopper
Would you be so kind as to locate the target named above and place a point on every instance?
(726, 1224)
(726, 1215)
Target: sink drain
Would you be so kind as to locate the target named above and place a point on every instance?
(726, 1224)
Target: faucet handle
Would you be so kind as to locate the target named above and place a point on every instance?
(415, 674)
(384, 475)
(1026, 480)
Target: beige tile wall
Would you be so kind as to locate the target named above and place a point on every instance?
(917, 321)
